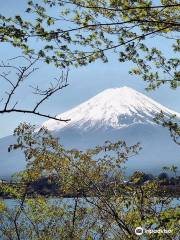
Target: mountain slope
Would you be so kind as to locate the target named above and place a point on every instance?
(114, 114)
(116, 108)
(120, 114)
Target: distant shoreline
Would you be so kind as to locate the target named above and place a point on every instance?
(168, 190)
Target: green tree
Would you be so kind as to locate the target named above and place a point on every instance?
(172, 123)
(97, 209)
(79, 32)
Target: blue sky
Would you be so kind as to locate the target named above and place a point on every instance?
(85, 82)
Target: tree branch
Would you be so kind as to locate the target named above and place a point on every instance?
(124, 9)
(121, 44)
(33, 112)
(106, 24)
(23, 73)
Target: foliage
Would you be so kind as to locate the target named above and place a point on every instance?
(102, 206)
(80, 32)
(172, 123)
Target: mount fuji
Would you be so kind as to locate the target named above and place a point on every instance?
(114, 108)
(114, 114)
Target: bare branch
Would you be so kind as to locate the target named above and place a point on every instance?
(33, 112)
(22, 73)
(4, 75)
(61, 83)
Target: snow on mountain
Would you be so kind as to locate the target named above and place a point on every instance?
(115, 108)
(114, 114)
(120, 114)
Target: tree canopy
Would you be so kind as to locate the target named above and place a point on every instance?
(80, 32)
(102, 205)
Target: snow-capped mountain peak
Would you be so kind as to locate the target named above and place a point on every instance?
(114, 108)
(114, 114)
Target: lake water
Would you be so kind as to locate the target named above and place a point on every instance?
(12, 203)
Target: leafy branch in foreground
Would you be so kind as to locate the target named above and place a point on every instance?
(102, 206)
(80, 32)
(172, 123)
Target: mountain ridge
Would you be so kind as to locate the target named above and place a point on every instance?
(114, 114)
(114, 107)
